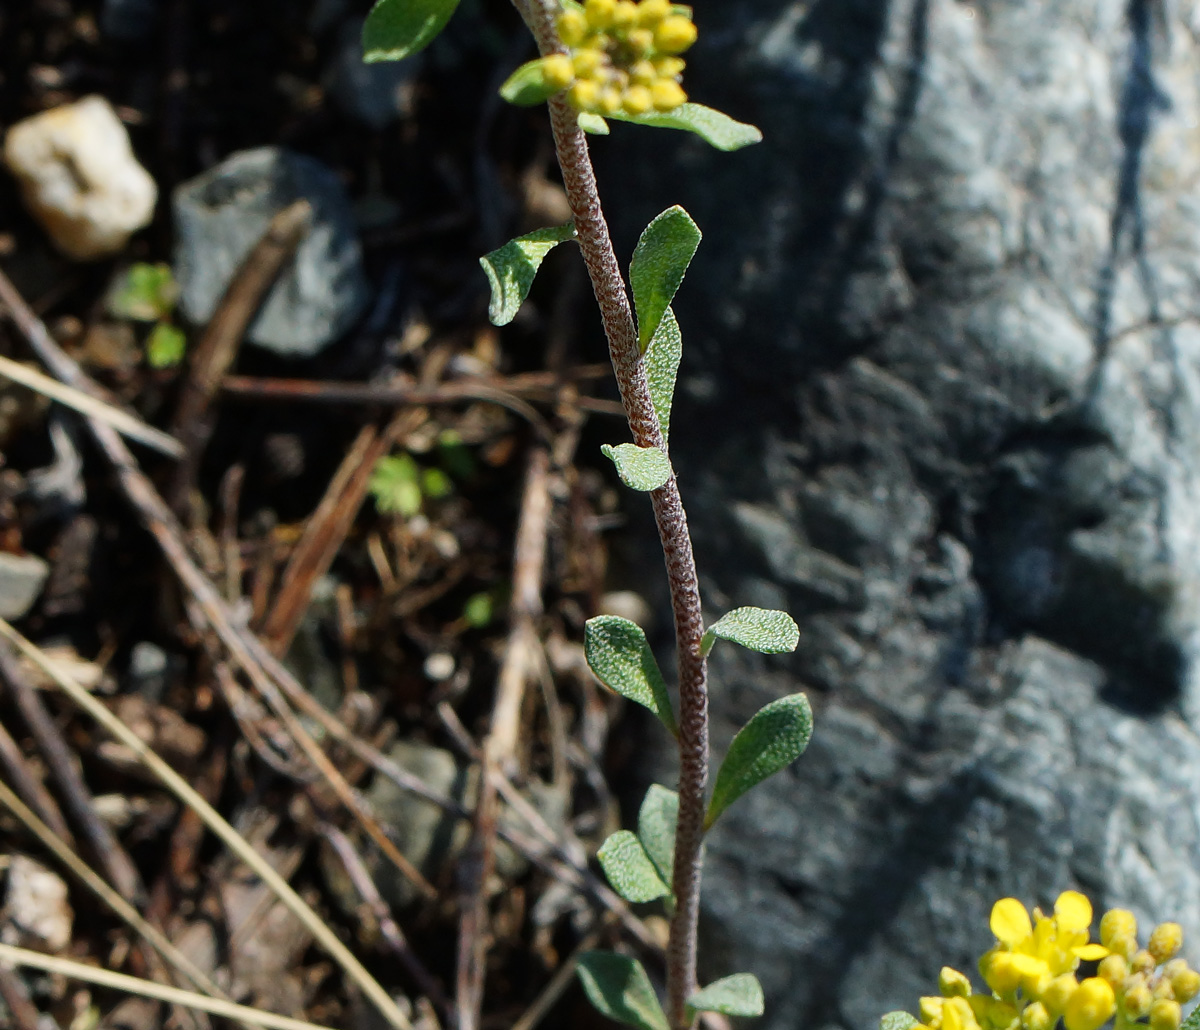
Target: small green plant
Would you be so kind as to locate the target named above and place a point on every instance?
(623, 60)
(148, 293)
(400, 486)
(1031, 983)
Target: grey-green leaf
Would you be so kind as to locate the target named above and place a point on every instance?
(760, 629)
(396, 29)
(737, 995)
(592, 123)
(640, 468)
(771, 741)
(629, 868)
(904, 1021)
(617, 652)
(528, 86)
(714, 127)
(657, 820)
(659, 261)
(511, 269)
(662, 366)
(619, 987)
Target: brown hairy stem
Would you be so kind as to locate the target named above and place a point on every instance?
(609, 285)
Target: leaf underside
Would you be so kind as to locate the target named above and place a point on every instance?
(396, 29)
(618, 653)
(904, 1021)
(657, 819)
(629, 869)
(772, 740)
(640, 468)
(512, 268)
(662, 366)
(660, 260)
(714, 127)
(620, 989)
(737, 995)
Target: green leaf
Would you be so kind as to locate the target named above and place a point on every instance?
(395, 485)
(617, 652)
(760, 629)
(528, 86)
(143, 293)
(396, 29)
(592, 123)
(662, 366)
(659, 261)
(479, 609)
(903, 1021)
(640, 468)
(511, 269)
(657, 819)
(771, 741)
(714, 127)
(737, 995)
(619, 987)
(165, 346)
(629, 869)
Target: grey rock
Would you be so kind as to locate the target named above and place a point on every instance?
(220, 215)
(148, 668)
(941, 399)
(22, 577)
(128, 21)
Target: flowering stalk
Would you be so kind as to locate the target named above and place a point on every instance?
(594, 240)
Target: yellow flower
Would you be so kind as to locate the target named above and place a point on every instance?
(1031, 953)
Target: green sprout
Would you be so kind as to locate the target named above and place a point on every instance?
(149, 293)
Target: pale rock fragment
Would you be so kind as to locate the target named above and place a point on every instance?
(36, 911)
(80, 179)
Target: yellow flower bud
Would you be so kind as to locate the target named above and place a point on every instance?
(953, 984)
(599, 13)
(1138, 1000)
(572, 27)
(957, 1015)
(1117, 922)
(930, 1010)
(1123, 945)
(641, 41)
(994, 1013)
(584, 94)
(1165, 941)
(1090, 1007)
(1036, 1017)
(1164, 990)
(998, 971)
(674, 34)
(1165, 1015)
(651, 12)
(588, 61)
(1056, 996)
(558, 70)
(636, 100)
(642, 73)
(1114, 969)
(609, 100)
(1142, 962)
(624, 15)
(669, 67)
(1186, 984)
(667, 95)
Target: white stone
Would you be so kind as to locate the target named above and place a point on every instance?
(80, 179)
(36, 908)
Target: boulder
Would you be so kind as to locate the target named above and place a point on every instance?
(940, 399)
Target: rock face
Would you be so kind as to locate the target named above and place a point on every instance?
(80, 179)
(220, 215)
(940, 399)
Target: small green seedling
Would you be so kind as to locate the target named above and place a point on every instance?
(149, 293)
(621, 60)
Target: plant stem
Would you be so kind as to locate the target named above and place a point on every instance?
(594, 240)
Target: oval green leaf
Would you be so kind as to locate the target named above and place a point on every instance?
(640, 468)
(527, 85)
(657, 819)
(772, 740)
(759, 629)
(617, 652)
(592, 124)
(396, 29)
(903, 1021)
(662, 366)
(629, 868)
(714, 127)
(512, 268)
(738, 995)
(660, 258)
(620, 989)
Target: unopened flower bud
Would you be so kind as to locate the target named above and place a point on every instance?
(667, 95)
(675, 34)
(1186, 984)
(1114, 969)
(558, 70)
(953, 984)
(599, 13)
(1090, 1007)
(1117, 922)
(930, 1010)
(572, 27)
(624, 15)
(1165, 1015)
(669, 67)
(1142, 962)
(1037, 1017)
(1138, 1000)
(584, 94)
(1058, 993)
(651, 12)
(1165, 941)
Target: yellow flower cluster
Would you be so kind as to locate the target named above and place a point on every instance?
(1031, 974)
(624, 56)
